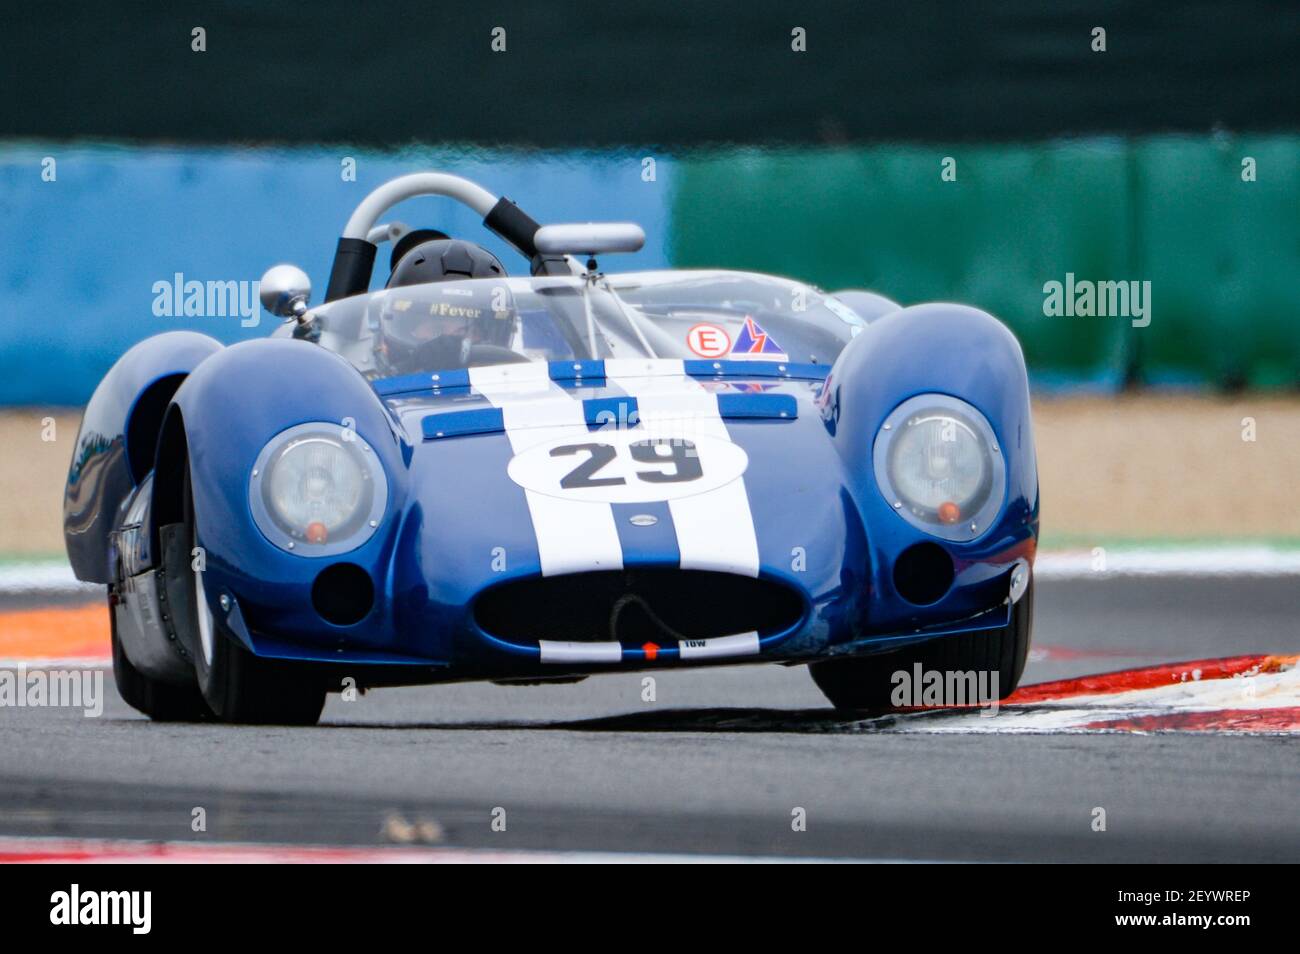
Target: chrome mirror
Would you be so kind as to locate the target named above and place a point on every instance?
(285, 291)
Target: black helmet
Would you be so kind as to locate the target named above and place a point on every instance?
(444, 260)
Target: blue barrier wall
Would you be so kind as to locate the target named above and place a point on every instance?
(80, 255)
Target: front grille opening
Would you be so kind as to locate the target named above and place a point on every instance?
(923, 573)
(636, 606)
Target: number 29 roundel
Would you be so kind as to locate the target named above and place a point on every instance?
(627, 466)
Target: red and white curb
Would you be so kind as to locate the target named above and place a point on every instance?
(1238, 695)
(99, 851)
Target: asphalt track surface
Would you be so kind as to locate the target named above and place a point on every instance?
(716, 765)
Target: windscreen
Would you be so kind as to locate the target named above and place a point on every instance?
(685, 315)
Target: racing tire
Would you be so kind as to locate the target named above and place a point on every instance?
(867, 681)
(238, 686)
(160, 701)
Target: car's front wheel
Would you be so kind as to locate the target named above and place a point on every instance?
(237, 685)
(868, 682)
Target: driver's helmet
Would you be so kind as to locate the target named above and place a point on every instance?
(442, 326)
(440, 260)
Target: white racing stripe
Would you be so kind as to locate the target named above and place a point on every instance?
(741, 644)
(573, 536)
(554, 651)
(715, 530)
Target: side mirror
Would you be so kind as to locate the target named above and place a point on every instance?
(592, 238)
(285, 291)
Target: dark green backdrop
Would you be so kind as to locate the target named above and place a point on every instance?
(663, 72)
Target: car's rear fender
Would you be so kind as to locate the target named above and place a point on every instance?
(115, 445)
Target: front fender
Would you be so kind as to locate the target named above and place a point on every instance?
(945, 349)
(231, 408)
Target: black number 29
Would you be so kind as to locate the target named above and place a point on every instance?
(681, 454)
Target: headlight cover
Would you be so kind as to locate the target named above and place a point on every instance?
(317, 490)
(938, 464)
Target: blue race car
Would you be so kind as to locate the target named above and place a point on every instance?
(467, 475)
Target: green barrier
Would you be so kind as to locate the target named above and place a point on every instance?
(1171, 211)
(1223, 257)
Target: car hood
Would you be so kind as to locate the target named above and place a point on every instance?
(519, 470)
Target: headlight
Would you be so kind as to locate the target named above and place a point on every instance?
(317, 489)
(939, 465)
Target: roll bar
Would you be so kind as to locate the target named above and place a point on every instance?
(354, 259)
(408, 187)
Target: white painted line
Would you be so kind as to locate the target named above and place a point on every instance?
(43, 577)
(1110, 562)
